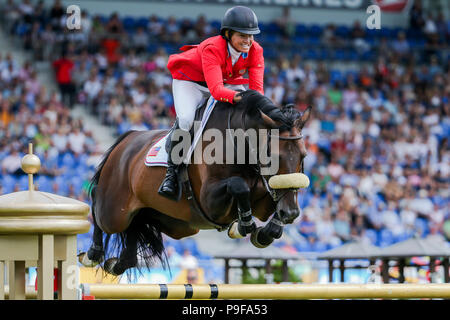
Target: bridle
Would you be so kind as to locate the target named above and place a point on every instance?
(276, 194)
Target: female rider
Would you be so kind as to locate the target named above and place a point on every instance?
(214, 67)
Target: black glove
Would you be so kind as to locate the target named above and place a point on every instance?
(247, 94)
(255, 99)
(278, 116)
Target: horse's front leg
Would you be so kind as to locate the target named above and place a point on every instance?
(219, 196)
(263, 236)
(240, 191)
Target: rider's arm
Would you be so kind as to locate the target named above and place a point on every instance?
(213, 75)
(256, 69)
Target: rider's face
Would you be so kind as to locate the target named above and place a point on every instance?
(241, 42)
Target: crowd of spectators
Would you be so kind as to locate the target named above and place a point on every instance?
(28, 113)
(378, 155)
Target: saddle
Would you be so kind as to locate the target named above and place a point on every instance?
(157, 156)
(200, 219)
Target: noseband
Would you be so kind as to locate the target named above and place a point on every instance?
(298, 137)
(277, 194)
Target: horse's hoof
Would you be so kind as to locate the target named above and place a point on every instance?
(233, 231)
(247, 228)
(258, 242)
(109, 265)
(85, 261)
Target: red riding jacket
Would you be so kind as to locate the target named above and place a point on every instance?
(210, 62)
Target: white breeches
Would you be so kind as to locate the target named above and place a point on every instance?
(187, 97)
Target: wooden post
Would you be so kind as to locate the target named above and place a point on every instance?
(445, 264)
(16, 270)
(342, 268)
(227, 270)
(268, 266)
(2, 280)
(330, 270)
(68, 276)
(285, 271)
(432, 267)
(46, 264)
(244, 269)
(401, 270)
(385, 270)
(269, 272)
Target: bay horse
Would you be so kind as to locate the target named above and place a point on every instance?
(125, 199)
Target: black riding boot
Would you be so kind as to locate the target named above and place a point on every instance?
(169, 187)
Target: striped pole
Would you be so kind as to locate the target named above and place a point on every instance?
(265, 291)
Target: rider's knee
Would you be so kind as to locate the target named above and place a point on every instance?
(185, 124)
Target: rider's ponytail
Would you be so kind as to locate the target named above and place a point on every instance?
(230, 34)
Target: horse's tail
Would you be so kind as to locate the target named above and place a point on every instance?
(150, 244)
(94, 181)
(145, 229)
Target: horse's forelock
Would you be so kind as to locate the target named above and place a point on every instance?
(291, 112)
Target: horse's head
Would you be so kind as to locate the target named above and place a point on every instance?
(290, 153)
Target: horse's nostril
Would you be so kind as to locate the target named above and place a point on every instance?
(288, 216)
(292, 215)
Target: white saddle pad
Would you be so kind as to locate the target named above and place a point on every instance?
(157, 155)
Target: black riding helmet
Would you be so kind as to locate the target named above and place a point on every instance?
(240, 19)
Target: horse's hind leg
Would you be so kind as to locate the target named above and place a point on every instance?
(127, 258)
(95, 253)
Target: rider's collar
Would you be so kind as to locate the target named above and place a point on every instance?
(235, 54)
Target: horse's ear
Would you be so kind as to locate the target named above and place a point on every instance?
(300, 122)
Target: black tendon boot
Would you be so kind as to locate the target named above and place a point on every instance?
(169, 187)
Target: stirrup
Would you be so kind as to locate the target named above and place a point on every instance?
(172, 170)
(171, 196)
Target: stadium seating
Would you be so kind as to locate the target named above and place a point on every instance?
(307, 41)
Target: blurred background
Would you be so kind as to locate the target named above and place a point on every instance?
(378, 149)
